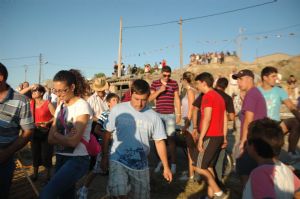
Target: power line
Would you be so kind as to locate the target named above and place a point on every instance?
(274, 30)
(201, 17)
(17, 58)
(230, 11)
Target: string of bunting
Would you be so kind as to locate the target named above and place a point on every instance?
(243, 37)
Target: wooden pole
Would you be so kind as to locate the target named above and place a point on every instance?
(120, 50)
(180, 42)
(40, 68)
(27, 176)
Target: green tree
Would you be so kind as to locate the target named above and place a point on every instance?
(99, 75)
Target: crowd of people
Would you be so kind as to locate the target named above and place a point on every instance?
(62, 120)
(135, 70)
(210, 57)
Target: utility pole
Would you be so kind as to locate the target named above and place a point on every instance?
(25, 69)
(180, 42)
(120, 50)
(239, 43)
(40, 68)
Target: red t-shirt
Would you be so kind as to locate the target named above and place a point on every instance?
(216, 102)
(126, 97)
(42, 113)
(165, 101)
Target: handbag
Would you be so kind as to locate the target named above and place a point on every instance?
(92, 147)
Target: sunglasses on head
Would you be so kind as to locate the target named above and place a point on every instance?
(35, 90)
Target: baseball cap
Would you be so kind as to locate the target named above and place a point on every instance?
(242, 73)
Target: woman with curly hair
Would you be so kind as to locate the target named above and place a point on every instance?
(72, 123)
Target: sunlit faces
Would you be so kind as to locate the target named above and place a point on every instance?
(245, 82)
(183, 82)
(139, 101)
(200, 85)
(113, 101)
(101, 93)
(63, 91)
(35, 93)
(166, 76)
(271, 79)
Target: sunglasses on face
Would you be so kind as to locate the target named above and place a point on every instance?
(165, 75)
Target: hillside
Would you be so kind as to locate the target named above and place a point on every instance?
(286, 65)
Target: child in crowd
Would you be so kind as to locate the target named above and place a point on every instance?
(271, 179)
(111, 99)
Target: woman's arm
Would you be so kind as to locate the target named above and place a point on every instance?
(77, 132)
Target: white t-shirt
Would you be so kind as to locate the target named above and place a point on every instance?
(70, 114)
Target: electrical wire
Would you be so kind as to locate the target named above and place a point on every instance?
(200, 17)
(17, 58)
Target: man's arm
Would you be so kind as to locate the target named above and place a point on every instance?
(204, 126)
(77, 132)
(292, 108)
(231, 116)
(105, 150)
(249, 117)
(155, 94)
(195, 123)
(162, 153)
(225, 129)
(177, 106)
(19, 143)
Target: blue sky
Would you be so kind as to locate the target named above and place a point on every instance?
(84, 34)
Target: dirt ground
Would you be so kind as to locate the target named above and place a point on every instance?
(160, 188)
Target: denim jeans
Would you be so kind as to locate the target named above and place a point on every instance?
(6, 174)
(68, 170)
(169, 121)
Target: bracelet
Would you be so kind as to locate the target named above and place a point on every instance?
(195, 127)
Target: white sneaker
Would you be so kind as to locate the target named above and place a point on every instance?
(158, 167)
(82, 193)
(173, 168)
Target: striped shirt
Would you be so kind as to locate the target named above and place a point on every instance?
(14, 114)
(165, 101)
(102, 119)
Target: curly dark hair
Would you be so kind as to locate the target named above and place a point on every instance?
(75, 77)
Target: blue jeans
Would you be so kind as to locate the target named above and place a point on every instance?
(169, 121)
(6, 174)
(68, 170)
